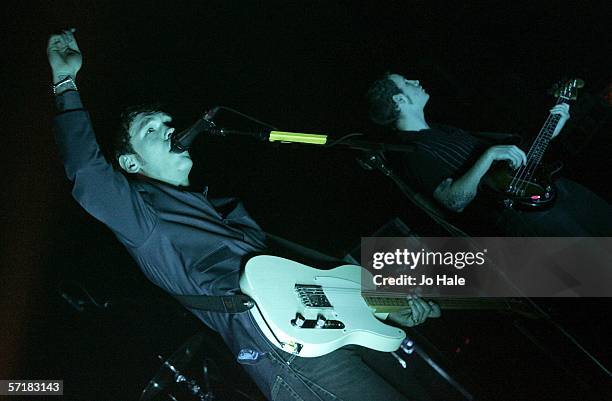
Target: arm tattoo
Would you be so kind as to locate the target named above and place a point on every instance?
(458, 201)
(455, 200)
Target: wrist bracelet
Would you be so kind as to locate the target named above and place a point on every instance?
(68, 82)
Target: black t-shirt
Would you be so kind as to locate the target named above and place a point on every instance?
(441, 152)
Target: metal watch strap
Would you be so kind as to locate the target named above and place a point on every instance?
(67, 82)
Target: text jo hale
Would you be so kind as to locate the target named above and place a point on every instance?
(404, 279)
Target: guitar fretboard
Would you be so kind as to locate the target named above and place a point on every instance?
(540, 144)
(386, 304)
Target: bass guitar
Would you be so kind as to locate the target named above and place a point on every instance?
(531, 186)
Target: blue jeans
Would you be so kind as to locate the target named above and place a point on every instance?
(341, 375)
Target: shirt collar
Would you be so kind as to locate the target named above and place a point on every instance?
(189, 188)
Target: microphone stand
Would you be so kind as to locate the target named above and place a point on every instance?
(314, 139)
(182, 140)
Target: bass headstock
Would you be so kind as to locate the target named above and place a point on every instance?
(567, 89)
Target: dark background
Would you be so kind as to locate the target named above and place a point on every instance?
(301, 66)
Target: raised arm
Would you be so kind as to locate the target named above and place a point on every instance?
(65, 58)
(105, 193)
(456, 194)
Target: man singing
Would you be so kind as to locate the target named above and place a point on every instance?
(188, 244)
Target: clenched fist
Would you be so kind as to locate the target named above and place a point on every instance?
(64, 55)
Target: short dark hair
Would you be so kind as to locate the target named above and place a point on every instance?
(382, 107)
(121, 143)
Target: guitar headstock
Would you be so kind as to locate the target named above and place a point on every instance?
(567, 89)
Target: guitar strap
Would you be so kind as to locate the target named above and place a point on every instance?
(241, 303)
(498, 137)
(217, 303)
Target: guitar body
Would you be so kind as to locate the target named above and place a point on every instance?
(291, 298)
(537, 193)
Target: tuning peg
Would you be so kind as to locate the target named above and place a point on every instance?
(567, 88)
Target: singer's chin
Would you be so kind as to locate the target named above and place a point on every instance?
(185, 162)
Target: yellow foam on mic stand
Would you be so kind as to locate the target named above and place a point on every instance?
(315, 139)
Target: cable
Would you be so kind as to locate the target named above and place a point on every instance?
(569, 336)
(248, 117)
(337, 141)
(78, 303)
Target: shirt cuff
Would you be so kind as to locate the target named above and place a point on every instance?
(68, 101)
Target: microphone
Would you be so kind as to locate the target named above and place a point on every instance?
(181, 141)
(210, 114)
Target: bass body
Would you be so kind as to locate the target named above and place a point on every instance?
(538, 192)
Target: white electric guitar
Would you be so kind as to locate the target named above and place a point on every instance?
(312, 312)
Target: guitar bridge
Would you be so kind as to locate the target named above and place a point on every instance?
(292, 348)
(312, 296)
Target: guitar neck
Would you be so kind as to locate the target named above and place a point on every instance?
(388, 304)
(540, 144)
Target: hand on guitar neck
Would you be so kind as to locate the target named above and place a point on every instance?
(531, 186)
(517, 157)
(417, 312)
(561, 110)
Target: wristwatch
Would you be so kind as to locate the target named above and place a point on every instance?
(65, 84)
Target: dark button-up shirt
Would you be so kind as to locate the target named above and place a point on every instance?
(184, 242)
